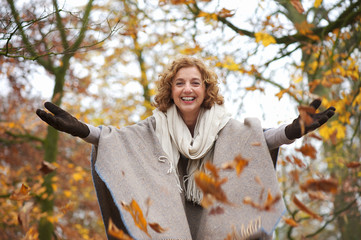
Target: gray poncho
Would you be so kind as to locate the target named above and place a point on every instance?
(128, 164)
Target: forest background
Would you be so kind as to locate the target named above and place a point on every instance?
(99, 60)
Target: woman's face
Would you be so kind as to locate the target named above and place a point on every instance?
(188, 91)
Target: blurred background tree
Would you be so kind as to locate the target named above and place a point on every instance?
(102, 59)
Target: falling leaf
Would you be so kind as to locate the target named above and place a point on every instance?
(317, 195)
(157, 228)
(295, 175)
(267, 205)
(308, 150)
(298, 162)
(46, 167)
(22, 194)
(305, 117)
(297, 4)
(290, 221)
(148, 203)
(256, 144)
(137, 214)
(305, 209)
(353, 164)
(238, 163)
(270, 201)
(325, 185)
(315, 136)
(116, 232)
(210, 185)
(23, 216)
(216, 211)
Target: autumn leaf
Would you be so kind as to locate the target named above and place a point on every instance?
(238, 163)
(317, 3)
(157, 228)
(308, 150)
(290, 221)
(298, 162)
(267, 205)
(46, 167)
(305, 117)
(22, 194)
(23, 216)
(326, 185)
(224, 13)
(297, 4)
(137, 214)
(316, 195)
(216, 210)
(353, 164)
(265, 38)
(211, 186)
(116, 232)
(305, 209)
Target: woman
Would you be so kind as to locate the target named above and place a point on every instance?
(157, 158)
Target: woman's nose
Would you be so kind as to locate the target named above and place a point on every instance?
(187, 88)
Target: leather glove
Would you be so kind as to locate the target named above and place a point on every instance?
(296, 130)
(63, 121)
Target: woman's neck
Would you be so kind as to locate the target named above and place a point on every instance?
(190, 121)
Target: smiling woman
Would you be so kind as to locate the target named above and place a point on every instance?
(159, 158)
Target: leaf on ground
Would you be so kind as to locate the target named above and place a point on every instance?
(305, 209)
(22, 194)
(46, 167)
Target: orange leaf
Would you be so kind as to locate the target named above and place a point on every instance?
(299, 162)
(353, 164)
(137, 214)
(211, 188)
(116, 232)
(297, 4)
(46, 167)
(238, 163)
(290, 221)
(305, 209)
(325, 185)
(267, 205)
(157, 228)
(22, 194)
(308, 150)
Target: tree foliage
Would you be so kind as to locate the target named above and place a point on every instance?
(103, 60)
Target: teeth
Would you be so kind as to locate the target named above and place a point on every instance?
(187, 98)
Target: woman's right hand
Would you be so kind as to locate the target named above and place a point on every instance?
(63, 121)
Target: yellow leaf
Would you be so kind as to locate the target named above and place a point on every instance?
(265, 38)
(317, 3)
(77, 176)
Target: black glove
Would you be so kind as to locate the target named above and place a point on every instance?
(294, 130)
(63, 121)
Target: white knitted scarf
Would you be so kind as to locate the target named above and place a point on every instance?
(175, 139)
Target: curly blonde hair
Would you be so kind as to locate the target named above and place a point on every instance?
(163, 98)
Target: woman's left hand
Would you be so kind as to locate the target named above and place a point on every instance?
(294, 130)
